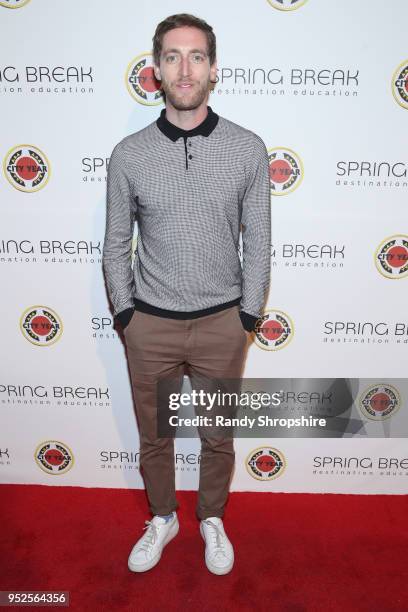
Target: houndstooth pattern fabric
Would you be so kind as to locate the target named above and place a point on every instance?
(188, 220)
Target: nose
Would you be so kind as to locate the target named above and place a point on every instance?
(185, 67)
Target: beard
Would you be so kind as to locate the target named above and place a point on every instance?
(185, 100)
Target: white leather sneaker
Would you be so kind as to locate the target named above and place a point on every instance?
(147, 551)
(219, 553)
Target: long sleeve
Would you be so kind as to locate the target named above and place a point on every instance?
(256, 233)
(120, 221)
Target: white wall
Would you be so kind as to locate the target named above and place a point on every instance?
(75, 390)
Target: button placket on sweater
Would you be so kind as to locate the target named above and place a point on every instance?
(188, 156)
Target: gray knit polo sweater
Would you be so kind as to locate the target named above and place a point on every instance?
(189, 192)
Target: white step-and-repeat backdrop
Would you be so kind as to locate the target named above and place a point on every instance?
(325, 84)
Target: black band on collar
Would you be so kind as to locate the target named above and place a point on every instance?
(173, 132)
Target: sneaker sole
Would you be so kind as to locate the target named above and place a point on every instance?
(219, 571)
(146, 566)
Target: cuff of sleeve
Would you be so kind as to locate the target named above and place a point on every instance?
(125, 316)
(248, 321)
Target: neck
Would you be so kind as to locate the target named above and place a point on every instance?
(186, 119)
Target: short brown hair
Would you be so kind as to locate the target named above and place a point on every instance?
(178, 21)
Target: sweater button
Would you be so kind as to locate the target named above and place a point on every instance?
(190, 157)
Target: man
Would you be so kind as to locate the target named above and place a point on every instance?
(189, 179)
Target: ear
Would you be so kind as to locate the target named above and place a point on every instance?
(156, 71)
(213, 72)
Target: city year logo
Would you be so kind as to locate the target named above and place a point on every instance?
(265, 463)
(26, 168)
(274, 330)
(141, 82)
(380, 402)
(287, 5)
(391, 257)
(54, 457)
(399, 84)
(13, 4)
(41, 325)
(285, 170)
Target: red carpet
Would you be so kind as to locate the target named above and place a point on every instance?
(294, 552)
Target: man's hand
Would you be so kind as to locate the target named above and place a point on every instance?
(248, 322)
(124, 317)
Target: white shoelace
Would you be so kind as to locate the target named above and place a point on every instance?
(150, 536)
(219, 540)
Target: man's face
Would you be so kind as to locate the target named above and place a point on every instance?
(185, 70)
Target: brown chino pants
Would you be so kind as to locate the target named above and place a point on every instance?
(212, 346)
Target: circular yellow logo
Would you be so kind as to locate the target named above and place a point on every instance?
(287, 5)
(54, 457)
(274, 330)
(391, 257)
(141, 82)
(41, 325)
(380, 401)
(285, 170)
(26, 168)
(13, 4)
(399, 84)
(265, 463)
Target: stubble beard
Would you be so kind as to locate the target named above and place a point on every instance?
(181, 101)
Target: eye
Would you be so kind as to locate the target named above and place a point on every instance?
(198, 58)
(170, 59)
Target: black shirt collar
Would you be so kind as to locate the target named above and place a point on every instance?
(173, 132)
